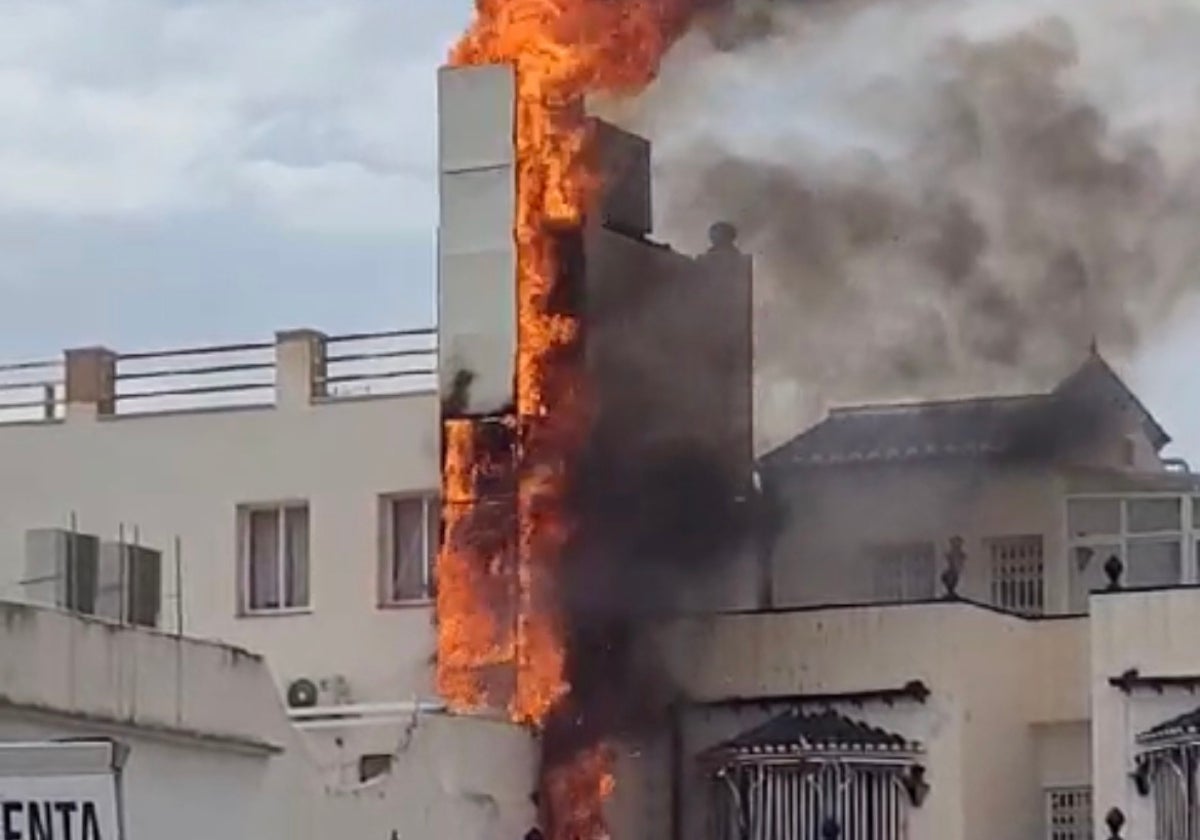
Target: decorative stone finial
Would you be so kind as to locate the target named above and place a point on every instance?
(722, 236)
(956, 558)
(1113, 569)
(830, 830)
(1115, 822)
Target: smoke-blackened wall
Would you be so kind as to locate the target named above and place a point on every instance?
(941, 196)
(659, 498)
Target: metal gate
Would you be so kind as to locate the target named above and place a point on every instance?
(808, 800)
(1171, 773)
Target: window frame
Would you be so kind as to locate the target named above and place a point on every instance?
(245, 514)
(997, 584)
(1187, 535)
(385, 565)
(1051, 831)
(902, 552)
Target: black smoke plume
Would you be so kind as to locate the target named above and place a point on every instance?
(942, 196)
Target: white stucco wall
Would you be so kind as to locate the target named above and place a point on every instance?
(1154, 632)
(995, 680)
(185, 474)
(837, 512)
(190, 791)
(212, 753)
(453, 777)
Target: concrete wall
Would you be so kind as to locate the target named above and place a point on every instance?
(453, 777)
(185, 474)
(835, 513)
(1154, 632)
(212, 753)
(191, 791)
(56, 662)
(983, 727)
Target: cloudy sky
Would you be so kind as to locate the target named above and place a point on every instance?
(188, 170)
(177, 171)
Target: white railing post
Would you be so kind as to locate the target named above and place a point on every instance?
(91, 375)
(299, 367)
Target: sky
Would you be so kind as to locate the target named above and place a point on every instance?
(174, 171)
(183, 171)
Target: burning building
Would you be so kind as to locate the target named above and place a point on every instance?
(596, 431)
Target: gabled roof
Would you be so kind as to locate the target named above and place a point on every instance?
(1032, 425)
(1185, 726)
(796, 733)
(1096, 379)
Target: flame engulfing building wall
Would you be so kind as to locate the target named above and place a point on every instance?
(666, 378)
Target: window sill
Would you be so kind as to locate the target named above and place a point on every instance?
(412, 603)
(279, 613)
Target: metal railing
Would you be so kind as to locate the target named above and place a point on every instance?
(217, 376)
(381, 363)
(375, 363)
(31, 391)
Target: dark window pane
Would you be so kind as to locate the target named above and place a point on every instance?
(1145, 515)
(408, 550)
(263, 559)
(1093, 516)
(296, 567)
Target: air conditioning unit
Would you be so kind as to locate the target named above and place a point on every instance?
(310, 692)
(61, 569)
(129, 584)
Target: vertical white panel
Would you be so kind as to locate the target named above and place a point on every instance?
(477, 259)
(476, 117)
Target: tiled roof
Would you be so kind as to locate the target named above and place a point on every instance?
(795, 733)
(1187, 724)
(965, 428)
(1033, 425)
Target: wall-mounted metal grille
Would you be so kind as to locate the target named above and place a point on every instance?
(1069, 813)
(794, 801)
(1018, 581)
(1173, 778)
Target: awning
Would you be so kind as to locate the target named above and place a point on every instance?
(827, 733)
(1183, 728)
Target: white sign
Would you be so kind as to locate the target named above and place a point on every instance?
(57, 792)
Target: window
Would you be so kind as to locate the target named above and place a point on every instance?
(902, 571)
(1089, 517)
(1069, 813)
(408, 539)
(1152, 562)
(274, 557)
(1149, 534)
(373, 765)
(1017, 567)
(1147, 516)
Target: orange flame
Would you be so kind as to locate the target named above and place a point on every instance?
(472, 586)
(562, 51)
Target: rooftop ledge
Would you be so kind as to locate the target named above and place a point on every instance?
(114, 678)
(298, 368)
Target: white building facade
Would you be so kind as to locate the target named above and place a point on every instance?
(280, 497)
(278, 512)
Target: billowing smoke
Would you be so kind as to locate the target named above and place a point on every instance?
(942, 196)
